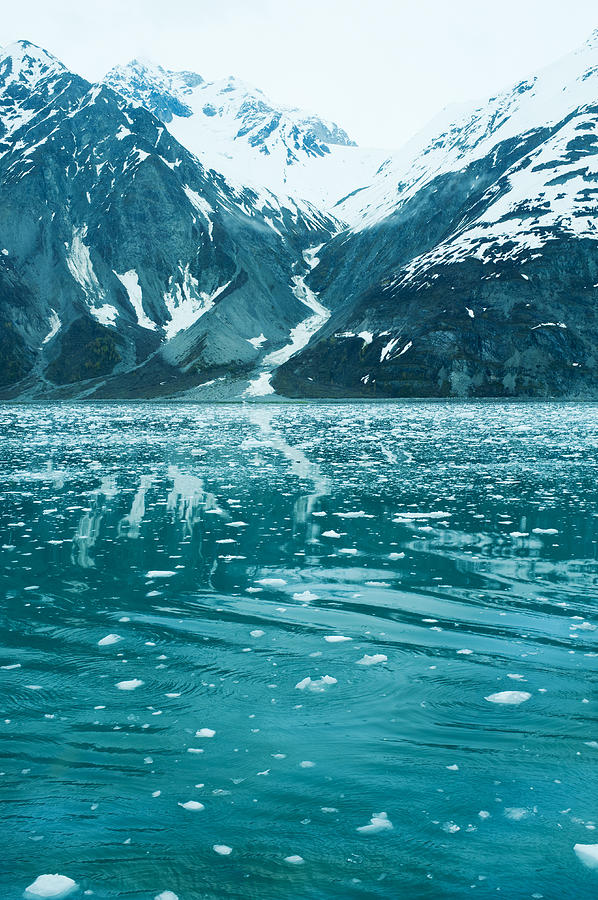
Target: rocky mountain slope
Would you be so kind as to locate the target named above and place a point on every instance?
(474, 269)
(126, 268)
(161, 235)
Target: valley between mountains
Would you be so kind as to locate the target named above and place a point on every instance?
(164, 236)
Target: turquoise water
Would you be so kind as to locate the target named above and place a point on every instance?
(452, 546)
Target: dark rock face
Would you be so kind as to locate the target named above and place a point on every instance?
(117, 244)
(453, 300)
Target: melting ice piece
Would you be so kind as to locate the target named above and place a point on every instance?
(166, 895)
(192, 805)
(109, 639)
(318, 685)
(54, 886)
(305, 597)
(257, 632)
(331, 534)
(516, 813)
(587, 854)
(272, 582)
(509, 698)
(160, 574)
(205, 732)
(379, 822)
(129, 685)
(337, 638)
(372, 660)
(294, 860)
(222, 849)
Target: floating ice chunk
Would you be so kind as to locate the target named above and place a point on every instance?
(294, 860)
(307, 764)
(205, 733)
(166, 895)
(451, 827)
(587, 854)
(330, 534)
(54, 886)
(379, 822)
(192, 805)
(257, 632)
(484, 814)
(317, 685)
(516, 813)
(337, 638)
(129, 685)
(160, 574)
(372, 660)
(222, 849)
(464, 652)
(350, 551)
(358, 514)
(272, 582)
(509, 698)
(453, 768)
(305, 597)
(109, 639)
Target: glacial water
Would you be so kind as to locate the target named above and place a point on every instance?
(247, 652)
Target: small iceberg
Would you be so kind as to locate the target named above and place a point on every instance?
(587, 854)
(509, 698)
(378, 823)
(53, 886)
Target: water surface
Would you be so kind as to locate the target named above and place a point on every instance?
(449, 551)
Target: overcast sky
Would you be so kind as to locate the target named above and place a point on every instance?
(380, 68)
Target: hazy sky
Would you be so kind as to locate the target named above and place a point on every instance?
(380, 68)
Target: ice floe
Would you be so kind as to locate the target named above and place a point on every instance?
(129, 685)
(587, 854)
(317, 686)
(51, 886)
(378, 823)
(509, 698)
(109, 639)
(373, 660)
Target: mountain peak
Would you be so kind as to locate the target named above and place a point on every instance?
(26, 63)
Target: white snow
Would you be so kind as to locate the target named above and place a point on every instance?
(80, 266)
(55, 325)
(51, 886)
(257, 341)
(130, 281)
(260, 386)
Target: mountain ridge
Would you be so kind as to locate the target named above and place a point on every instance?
(463, 265)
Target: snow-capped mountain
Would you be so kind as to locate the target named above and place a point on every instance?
(161, 234)
(477, 253)
(124, 263)
(235, 129)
